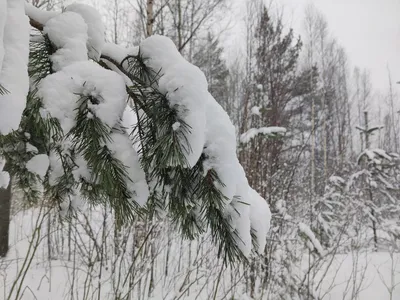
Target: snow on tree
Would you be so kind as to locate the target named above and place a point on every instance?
(271, 131)
(64, 137)
(380, 174)
(368, 191)
(4, 176)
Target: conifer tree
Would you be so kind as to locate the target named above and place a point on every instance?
(209, 59)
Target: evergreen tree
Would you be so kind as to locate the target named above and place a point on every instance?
(273, 91)
(209, 59)
(276, 96)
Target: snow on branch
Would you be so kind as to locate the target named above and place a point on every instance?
(306, 230)
(376, 156)
(187, 150)
(268, 131)
(37, 16)
(211, 134)
(4, 176)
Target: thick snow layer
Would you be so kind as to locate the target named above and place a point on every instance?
(61, 90)
(253, 132)
(260, 216)
(14, 71)
(305, 229)
(72, 31)
(247, 208)
(95, 28)
(4, 179)
(122, 149)
(39, 164)
(211, 133)
(4, 176)
(118, 52)
(220, 148)
(59, 100)
(68, 32)
(39, 15)
(239, 211)
(94, 25)
(185, 87)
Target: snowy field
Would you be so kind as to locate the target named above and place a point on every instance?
(87, 260)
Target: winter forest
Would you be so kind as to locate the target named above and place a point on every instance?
(143, 157)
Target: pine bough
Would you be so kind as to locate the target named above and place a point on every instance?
(63, 99)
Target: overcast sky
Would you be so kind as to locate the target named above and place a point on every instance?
(369, 30)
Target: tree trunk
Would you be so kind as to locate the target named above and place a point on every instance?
(374, 230)
(5, 210)
(150, 21)
(179, 26)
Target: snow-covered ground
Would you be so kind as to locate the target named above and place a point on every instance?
(88, 260)
(370, 276)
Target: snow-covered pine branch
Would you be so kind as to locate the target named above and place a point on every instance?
(184, 160)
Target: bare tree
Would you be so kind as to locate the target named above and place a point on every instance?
(181, 20)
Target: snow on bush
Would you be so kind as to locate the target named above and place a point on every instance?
(306, 230)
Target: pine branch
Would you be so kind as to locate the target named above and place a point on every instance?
(3, 90)
(13, 147)
(40, 64)
(108, 175)
(194, 201)
(192, 198)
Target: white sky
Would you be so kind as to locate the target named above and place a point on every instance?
(369, 30)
